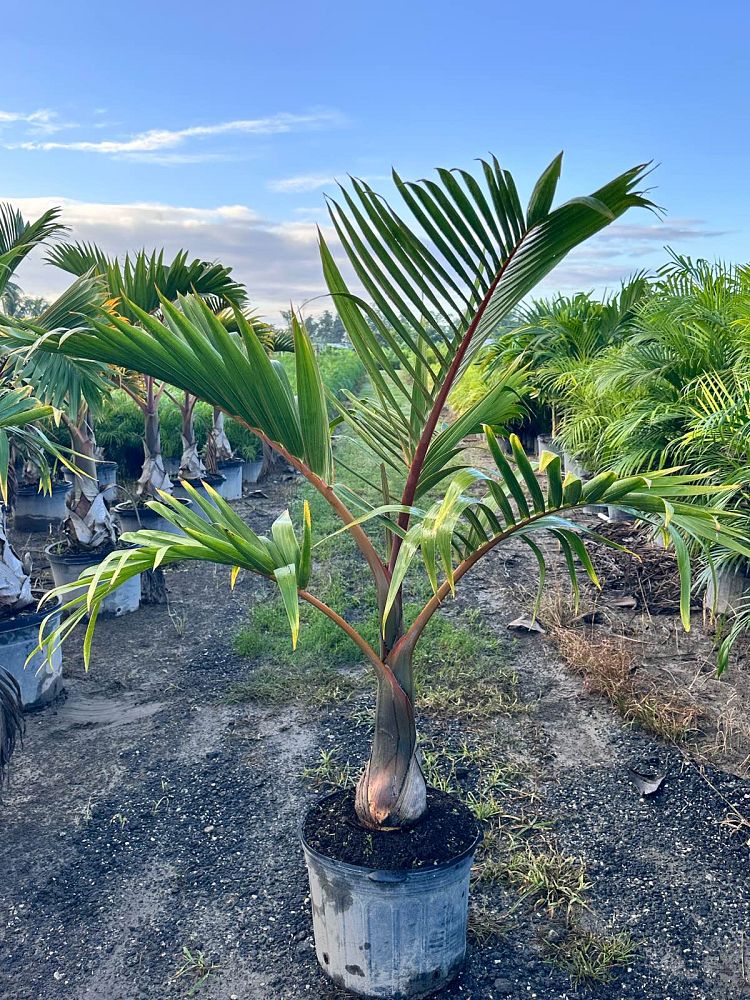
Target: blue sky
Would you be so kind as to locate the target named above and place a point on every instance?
(219, 127)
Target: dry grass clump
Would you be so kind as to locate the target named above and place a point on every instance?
(606, 665)
(486, 924)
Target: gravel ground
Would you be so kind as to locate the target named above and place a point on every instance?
(147, 815)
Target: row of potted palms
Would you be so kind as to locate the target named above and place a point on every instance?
(430, 293)
(73, 391)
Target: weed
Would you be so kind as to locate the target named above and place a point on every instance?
(85, 813)
(329, 772)
(588, 957)
(165, 799)
(484, 806)
(196, 968)
(485, 924)
(545, 875)
(553, 880)
(119, 819)
(178, 621)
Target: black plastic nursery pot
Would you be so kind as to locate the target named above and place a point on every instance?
(37, 511)
(390, 932)
(728, 589)
(231, 469)
(67, 566)
(140, 517)
(215, 482)
(40, 681)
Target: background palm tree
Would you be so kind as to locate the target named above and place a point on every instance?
(17, 239)
(136, 286)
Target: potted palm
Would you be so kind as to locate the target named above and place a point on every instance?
(40, 681)
(393, 843)
(220, 457)
(192, 471)
(36, 508)
(76, 389)
(135, 286)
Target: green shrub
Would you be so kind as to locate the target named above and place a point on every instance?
(472, 387)
(341, 369)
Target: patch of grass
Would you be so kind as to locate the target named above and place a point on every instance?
(540, 873)
(592, 958)
(486, 924)
(330, 773)
(461, 672)
(195, 969)
(285, 685)
(319, 671)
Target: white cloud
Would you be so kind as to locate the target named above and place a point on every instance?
(157, 140)
(623, 248)
(42, 120)
(278, 261)
(301, 183)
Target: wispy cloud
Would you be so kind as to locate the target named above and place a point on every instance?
(158, 140)
(300, 183)
(617, 251)
(43, 120)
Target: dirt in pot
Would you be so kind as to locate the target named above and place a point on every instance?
(446, 830)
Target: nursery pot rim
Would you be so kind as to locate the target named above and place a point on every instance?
(104, 461)
(31, 615)
(385, 875)
(229, 463)
(30, 489)
(198, 481)
(82, 558)
(128, 507)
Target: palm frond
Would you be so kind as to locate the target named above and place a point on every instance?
(18, 237)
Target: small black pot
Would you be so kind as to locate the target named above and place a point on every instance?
(36, 511)
(143, 518)
(67, 566)
(40, 681)
(389, 933)
(216, 482)
(232, 470)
